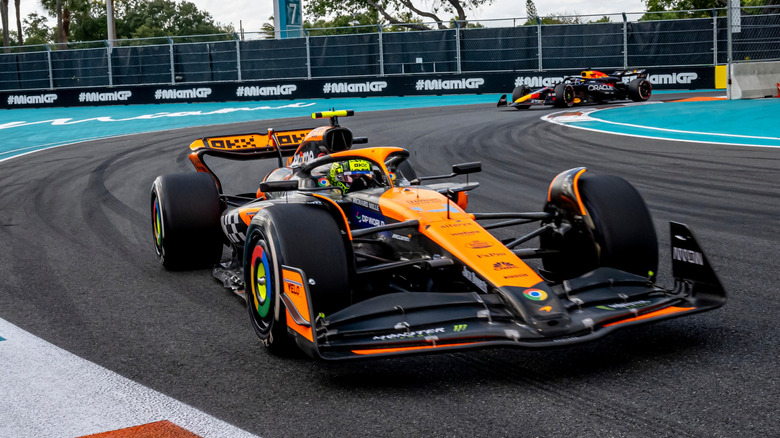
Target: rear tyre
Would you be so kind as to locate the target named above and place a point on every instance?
(618, 232)
(302, 236)
(185, 210)
(564, 96)
(639, 90)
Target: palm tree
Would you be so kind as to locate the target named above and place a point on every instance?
(19, 22)
(4, 16)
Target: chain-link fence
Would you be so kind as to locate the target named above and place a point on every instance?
(614, 41)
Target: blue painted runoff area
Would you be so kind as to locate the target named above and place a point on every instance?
(743, 122)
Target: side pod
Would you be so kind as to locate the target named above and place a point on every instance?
(692, 270)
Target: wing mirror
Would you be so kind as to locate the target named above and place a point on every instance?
(466, 168)
(279, 186)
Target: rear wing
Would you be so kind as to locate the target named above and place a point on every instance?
(272, 144)
(640, 73)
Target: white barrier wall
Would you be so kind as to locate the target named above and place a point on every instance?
(752, 80)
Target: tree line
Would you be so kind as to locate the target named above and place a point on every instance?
(85, 20)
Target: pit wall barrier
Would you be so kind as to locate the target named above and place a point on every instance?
(474, 83)
(751, 80)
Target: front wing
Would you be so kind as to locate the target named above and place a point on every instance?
(595, 305)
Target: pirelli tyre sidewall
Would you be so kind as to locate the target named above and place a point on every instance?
(520, 91)
(615, 231)
(564, 95)
(639, 90)
(185, 213)
(622, 225)
(301, 236)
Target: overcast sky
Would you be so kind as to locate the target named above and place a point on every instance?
(253, 13)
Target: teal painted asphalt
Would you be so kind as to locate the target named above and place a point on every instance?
(744, 122)
(738, 122)
(28, 130)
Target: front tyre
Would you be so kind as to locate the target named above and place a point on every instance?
(185, 211)
(616, 230)
(564, 95)
(300, 236)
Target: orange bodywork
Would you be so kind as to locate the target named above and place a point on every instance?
(456, 232)
(296, 292)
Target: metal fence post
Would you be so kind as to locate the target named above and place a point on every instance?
(51, 70)
(381, 52)
(539, 40)
(173, 72)
(238, 56)
(714, 36)
(108, 59)
(457, 46)
(308, 55)
(625, 41)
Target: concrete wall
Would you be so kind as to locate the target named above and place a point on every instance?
(752, 80)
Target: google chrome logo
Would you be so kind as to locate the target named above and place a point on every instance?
(535, 294)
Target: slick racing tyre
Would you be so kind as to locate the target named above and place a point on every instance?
(564, 96)
(617, 232)
(639, 90)
(519, 92)
(299, 236)
(185, 210)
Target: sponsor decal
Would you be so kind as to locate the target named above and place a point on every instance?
(364, 203)
(492, 254)
(623, 306)
(547, 309)
(247, 142)
(501, 266)
(600, 87)
(323, 182)
(27, 99)
(292, 287)
(175, 93)
(407, 335)
(423, 201)
(465, 233)
(478, 244)
(535, 294)
(537, 81)
(516, 276)
(673, 78)
(254, 91)
(688, 256)
(364, 219)
(116, 96)
(354, 87)
(449, 84)
(473, 279)
(459, 327)
(290, 139)
(401, 238)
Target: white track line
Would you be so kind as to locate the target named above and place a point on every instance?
(49, 392)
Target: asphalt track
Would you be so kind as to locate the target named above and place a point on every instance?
(78, 271)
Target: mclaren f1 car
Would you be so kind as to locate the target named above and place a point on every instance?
(590, 87)
(348, 253)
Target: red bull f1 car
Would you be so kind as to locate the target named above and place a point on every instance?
(348, 253)
(590, 87)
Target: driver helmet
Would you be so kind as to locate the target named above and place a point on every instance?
(344, 173)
